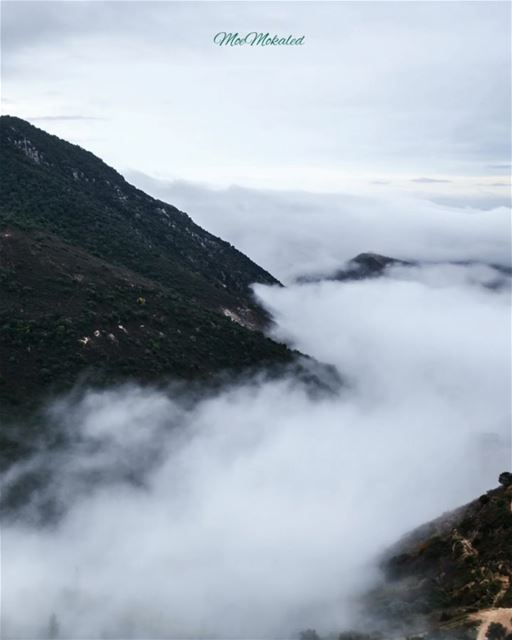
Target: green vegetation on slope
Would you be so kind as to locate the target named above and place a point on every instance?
(64, 312)
(449, 571)
(98, 281)
(47, 183)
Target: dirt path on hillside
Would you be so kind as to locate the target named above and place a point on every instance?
(486, 616)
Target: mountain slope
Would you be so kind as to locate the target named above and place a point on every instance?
(64, 313)
(453, 575)
(47, 183)
(99, 280)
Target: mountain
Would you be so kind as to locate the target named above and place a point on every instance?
(450, 578)
(50, 184)
(364, 265)
(99, 280)
(374, 265)
(455, 572)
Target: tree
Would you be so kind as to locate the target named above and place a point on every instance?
(53, 628)
(496, 631)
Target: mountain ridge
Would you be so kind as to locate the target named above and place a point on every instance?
(91, 205)
(98, 277)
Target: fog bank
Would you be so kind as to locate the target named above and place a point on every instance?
(261, 510)
(296, 233)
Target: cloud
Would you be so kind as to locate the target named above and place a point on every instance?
(296, 233)
(483, 201)
(260, 509)
(412, 85)
(428, 180)
(63, 117)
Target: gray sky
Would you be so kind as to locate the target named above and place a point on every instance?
(401, 92)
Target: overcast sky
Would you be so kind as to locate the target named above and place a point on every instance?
(410, 93)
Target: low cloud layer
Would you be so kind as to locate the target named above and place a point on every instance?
(261, 510)
(297, 233)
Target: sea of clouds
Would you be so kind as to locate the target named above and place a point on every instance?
(262, 509)
(295, 233)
